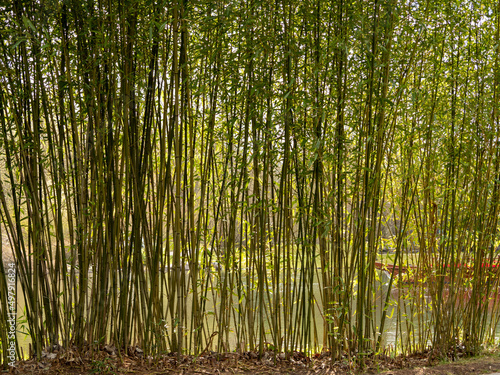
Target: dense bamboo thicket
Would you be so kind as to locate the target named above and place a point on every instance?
(186, 175)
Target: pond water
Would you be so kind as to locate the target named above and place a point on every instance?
(401, 318)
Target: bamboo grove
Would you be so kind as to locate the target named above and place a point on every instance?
(193, 175)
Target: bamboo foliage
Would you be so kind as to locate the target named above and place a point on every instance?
(194, 175)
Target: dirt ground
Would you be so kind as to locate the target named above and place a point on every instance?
(108, 361)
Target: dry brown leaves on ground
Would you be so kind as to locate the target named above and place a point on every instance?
(108, 361)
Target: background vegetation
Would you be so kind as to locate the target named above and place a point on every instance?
(183, 174)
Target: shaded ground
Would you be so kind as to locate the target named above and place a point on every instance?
(107, 361)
